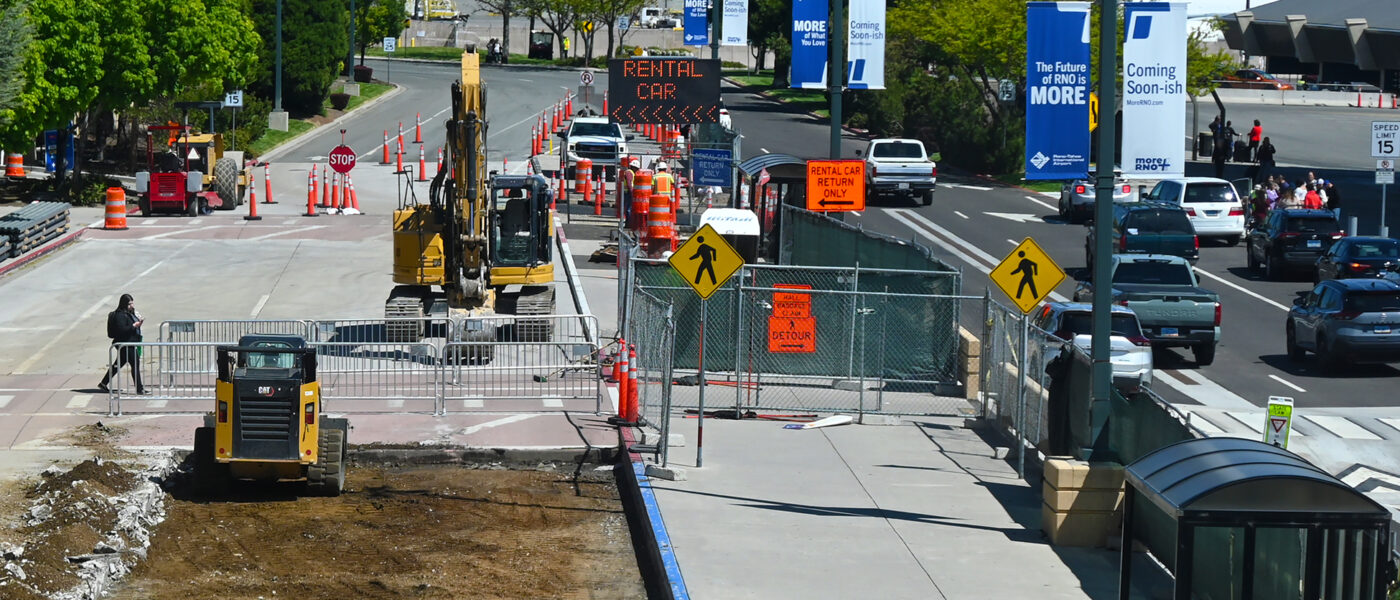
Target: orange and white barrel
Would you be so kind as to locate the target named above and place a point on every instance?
(659, 224)
(116, 210)
(14, 165)
(641, 200)
(583, 175)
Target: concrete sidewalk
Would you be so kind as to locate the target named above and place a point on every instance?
(920, 509)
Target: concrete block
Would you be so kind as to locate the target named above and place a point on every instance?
(1077, 474)
(970, 359)
(1073, 500)
(874, 419)
(277, 120)
(669, 472)
(1082, 529)
(676, 440)
(352, 89)
(854, 385)
(1000, 452)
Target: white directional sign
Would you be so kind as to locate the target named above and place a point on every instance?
(1385, 139)
(1278, 421)
(233, 99)
(391, 44)
(1385, 171)
(586, 78)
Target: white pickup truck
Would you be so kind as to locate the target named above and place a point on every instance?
(899, 167)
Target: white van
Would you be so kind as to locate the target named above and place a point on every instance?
(1213, 205)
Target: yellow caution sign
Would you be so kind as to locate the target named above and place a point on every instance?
(706, 261)
(1027, 275)
(1093, 111)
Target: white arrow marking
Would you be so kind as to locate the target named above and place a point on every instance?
(1018, 217)
(317, 158)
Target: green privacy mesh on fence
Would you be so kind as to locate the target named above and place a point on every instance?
(810, 238)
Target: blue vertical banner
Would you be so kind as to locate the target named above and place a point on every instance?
(696, 23)
(1057, 90)
(809, 56)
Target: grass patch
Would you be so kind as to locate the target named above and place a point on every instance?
(367, 92)
(421, 52)
(763, 81)
(1018, 179)
(272, 138)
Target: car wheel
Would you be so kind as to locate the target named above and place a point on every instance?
(1060, 208)
(1295, 352)
(1233, 241)
(928, 198)
(1326, 357)
(1204, 353)
(1272, 271)
(1249, 257)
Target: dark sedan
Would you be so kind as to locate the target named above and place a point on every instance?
(1358, 257)
(1292, 238)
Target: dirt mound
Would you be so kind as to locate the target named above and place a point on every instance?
(419, 532)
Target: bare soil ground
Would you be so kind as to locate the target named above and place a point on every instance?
(396, 532)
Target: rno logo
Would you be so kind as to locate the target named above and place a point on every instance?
(1151, 164)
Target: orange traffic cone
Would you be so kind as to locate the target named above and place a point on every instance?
(569, 107)
(354, 198)
(384, 160)
(267, 184)
(439, 163)
(335, 191)
(633, 397)
(310, 195)
(400, 136)
(422, 165)
(417, 128)
(398, 158)
(252, 201)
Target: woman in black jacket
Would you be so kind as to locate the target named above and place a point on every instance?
(124, 326)
(1265, 156)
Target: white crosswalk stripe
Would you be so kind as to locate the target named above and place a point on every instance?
(5, 400)
(79, 401)
(1341, 427)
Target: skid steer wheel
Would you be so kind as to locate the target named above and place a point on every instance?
(211, 478)
(226, 183)
(327, 476)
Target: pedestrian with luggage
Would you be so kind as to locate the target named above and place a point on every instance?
(124, 326)
(1228, 132)
(1265, 157)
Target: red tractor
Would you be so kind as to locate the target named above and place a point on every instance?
(193, 175)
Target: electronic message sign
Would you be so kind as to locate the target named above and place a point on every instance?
(664, 90)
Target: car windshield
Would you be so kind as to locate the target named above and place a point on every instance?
(1375, 249)
(270, 360)
(1209, 192)
(1312, 225)
(598, 129)
(1368, 302)
(1160, 221)
(898, 150)
(1153, 272)
(1122, 324)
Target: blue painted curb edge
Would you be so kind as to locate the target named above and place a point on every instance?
(656, 560)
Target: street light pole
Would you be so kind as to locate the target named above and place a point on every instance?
(350, 58)
(1103, 217)
(277, 80)
(836, 76)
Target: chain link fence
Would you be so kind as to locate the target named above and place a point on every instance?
(1017, 360)
(654, 324)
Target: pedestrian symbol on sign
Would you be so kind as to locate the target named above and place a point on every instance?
(706, 254)
(1028, 271)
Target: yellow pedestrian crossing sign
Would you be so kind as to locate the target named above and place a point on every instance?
(706, 261)
(1027, 275)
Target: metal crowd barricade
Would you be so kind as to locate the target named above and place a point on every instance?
(515, 375)
(377, 331)
(564, 329)
(191, 377)
(395, 373)
(228, 331)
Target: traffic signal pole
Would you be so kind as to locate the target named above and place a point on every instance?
(1103, 219)
(836, 76)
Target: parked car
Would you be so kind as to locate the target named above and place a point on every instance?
(1077, 197)
(899, 167)
(1254, 79)
(1214, 206)
(1346, 321)
(1147, 228)
(1358, 257)
(1291, 238)
(1164, 293)
(1131, 352)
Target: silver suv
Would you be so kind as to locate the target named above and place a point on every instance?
(1346, 321)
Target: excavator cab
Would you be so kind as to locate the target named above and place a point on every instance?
(523, 230)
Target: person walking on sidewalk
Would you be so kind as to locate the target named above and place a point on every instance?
(124, 326)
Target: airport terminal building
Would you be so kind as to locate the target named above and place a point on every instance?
(1333, 41)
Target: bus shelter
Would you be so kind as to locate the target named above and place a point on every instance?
(1232, 518)
(767, 182)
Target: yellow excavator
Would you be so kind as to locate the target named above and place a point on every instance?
(482, 244)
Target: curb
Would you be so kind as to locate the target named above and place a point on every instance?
(571, 271)
(656, 557)
(283, 148)
(531, 458)
(863, 133)
(62, 241)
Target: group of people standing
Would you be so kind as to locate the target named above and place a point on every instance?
(1276, 192)
(1260, 151)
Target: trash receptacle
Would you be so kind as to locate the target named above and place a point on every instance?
(1205, 143)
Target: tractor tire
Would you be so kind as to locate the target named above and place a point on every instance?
(211, 478)
(144, 203)
(327, 476)
(226, 183)
(192, 206)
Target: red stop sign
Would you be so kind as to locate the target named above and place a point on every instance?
(342, 159)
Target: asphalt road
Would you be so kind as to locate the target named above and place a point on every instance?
(973, 224)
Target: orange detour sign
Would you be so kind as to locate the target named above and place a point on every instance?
(835, 185)
(792, 336)
(791, 305)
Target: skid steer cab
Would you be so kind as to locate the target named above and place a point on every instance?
(267, 423)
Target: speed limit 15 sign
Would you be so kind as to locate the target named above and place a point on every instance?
(1385, 139)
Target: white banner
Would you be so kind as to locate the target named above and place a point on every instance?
(865, 69)
(1154, 89)
(734, 29)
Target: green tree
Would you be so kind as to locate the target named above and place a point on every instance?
(61, 70)
(15, 37)
(314, 46)
(983, 39)
(770, 25)
(377, 20)
(558, 16)
(1203, 67)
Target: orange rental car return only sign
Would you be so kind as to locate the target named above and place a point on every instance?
(835, 185)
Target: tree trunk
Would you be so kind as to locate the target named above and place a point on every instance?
(780, 71)
(505, 33)
(611, 53)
